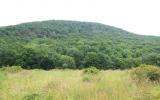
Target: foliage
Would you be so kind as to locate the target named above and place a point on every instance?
(32, 97)
(67, 62)
(152, 59)
(146, 72)
(90, 74)
(71, 44)
(91, 70)
(12, 69)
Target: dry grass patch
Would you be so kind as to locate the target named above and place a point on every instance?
(69, 85)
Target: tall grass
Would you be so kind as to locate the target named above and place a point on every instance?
(70, 85)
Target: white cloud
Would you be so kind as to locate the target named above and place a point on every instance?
(138, 16)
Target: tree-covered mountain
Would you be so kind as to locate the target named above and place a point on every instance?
(73, 44)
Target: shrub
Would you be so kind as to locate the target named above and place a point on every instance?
(12, 69)
(37, 96)
(32, 97)
(148, 72)
(91, 70)
(90, 74)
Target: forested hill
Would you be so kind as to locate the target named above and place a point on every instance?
(57, 27)
(73, 44)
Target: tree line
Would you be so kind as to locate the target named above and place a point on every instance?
(76, 45)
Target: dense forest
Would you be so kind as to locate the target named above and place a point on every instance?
(72, 44)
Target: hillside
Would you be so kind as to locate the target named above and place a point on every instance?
(73, 44)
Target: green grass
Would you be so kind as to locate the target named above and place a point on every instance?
(73, 85)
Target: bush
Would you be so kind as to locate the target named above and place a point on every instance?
(32, 97)
(91, 70)
(37, 96)
(12, 69)
(148, 72)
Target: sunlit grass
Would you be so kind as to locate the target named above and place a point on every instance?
(70, 85)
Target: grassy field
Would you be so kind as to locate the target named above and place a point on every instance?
(74, 85)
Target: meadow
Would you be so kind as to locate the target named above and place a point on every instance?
(69, 84)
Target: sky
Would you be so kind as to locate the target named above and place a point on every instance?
(137, 16)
